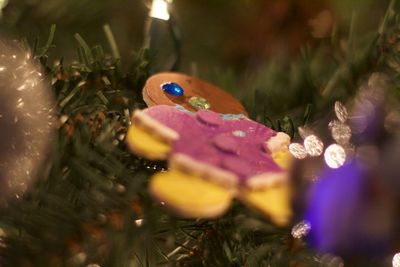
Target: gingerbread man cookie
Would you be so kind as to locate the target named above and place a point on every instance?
(213, 158)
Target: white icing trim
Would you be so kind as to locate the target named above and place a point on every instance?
(189, 165)
(278, 142)
(266, 180)
(140, 118)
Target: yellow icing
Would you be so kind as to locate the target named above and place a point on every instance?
(189, 195)
(283, 158)
(145, 144)
(272, 201)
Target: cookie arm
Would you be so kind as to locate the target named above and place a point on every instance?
(149, 138)
(272, 201)
(278, 146)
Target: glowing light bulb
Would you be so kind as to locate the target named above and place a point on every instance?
(3, 4)
(396, 260)
(159, 10)
(139, 222)
(335, 156)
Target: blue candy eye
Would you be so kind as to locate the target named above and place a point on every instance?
(173, 89)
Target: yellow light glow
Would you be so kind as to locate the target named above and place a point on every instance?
(3, 4)
(159, 10)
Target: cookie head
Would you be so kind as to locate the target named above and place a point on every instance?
(190, 92)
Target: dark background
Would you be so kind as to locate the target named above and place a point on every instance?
(221, 34)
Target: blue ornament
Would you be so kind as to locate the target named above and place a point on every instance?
(173, 89)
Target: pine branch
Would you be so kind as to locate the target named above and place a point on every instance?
(90, 204)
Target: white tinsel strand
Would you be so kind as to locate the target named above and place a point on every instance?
(26, 119)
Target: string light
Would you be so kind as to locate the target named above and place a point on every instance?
(159, 9)
(139, 222)
(162, 34)
(313, 145)
(396, 260)
(3, 4)
(335, 155)
(301, 229)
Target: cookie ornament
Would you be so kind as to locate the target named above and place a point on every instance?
(190, 92)
(213, 158)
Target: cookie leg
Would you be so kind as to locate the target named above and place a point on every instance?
(190, 196)
(145, 144)
(272, 201)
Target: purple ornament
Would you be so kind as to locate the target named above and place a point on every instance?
(349, 213)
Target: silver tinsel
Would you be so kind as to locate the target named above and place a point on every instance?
(26, 119)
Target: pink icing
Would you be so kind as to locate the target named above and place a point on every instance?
(226, 142)
(207, 137)
(209, 118)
